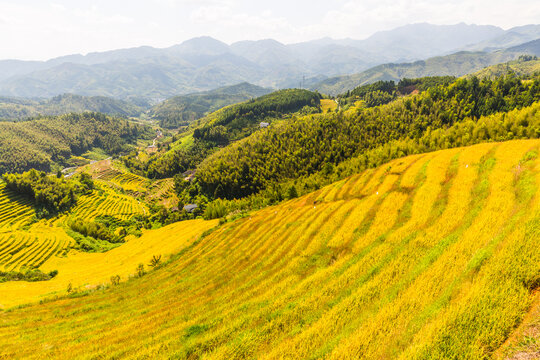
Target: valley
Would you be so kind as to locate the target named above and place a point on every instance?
(325, 199)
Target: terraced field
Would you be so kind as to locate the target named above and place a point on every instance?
(15, 210)
(26, 245)
(434, 256)
(124, 180)
(130, 182)
(20, 250)
(108, 202)
(87, 270)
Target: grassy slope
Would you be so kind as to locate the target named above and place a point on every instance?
(430, 256)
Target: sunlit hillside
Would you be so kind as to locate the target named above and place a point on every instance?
(83, 271)
(432, 256)
(27, 242)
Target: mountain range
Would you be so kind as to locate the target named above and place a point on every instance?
(205, 63)
(457, 64)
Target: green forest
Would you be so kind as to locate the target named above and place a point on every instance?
(443, 116)
(40, 143)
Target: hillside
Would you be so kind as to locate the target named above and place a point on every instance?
(223, 127)
(18, 108)
(429, 256)
(305, 151)
(457, 64)
(50, 142)
(519, 67)
(181, 110)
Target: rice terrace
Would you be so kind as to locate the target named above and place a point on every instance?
(346, 180)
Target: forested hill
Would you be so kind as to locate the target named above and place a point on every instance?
(441, 117)
(46, 141)
(19, 108)
(181, 110)
(524, 66)
(237, 121)
(226, 125)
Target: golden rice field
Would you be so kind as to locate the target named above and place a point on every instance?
(433, 256)
(26, 244)
(88, 270)
(124, 180)
(15, 210)
(30, 249)
(129, 182)
(104, 201)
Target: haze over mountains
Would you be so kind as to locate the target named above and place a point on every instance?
(205, 63)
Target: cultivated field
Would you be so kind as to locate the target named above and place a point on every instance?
(105, 201)
(26, 243)
(15, 210)
(432, 256)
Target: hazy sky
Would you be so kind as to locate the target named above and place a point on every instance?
(42, 29)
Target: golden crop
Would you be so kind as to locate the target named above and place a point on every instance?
(433, 256)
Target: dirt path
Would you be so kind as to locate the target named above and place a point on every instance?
(524, 342)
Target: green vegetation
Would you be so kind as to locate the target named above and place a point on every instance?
(103, 233)
(19, 108)
(383, 92)
(50, 194)
(237, 122)
(222, 127)
(525, 67)
(182, 110)
(42, 143)
(440, 117)
(30, 275)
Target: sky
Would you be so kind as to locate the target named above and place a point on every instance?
(42, 29)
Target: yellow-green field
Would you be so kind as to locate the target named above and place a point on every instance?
(15, 210)
(88, 270)
(328, 105)
(105, 201)
(26, 243)
(433, 256)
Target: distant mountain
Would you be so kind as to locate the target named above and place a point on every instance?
(18, 109)
(458, 64)
(420, 41)
(512, 37)
(531, 47)
(205, 63)
(181, 110)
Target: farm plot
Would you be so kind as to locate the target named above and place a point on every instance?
(108, 202)
(15, 210)
(26, 250)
